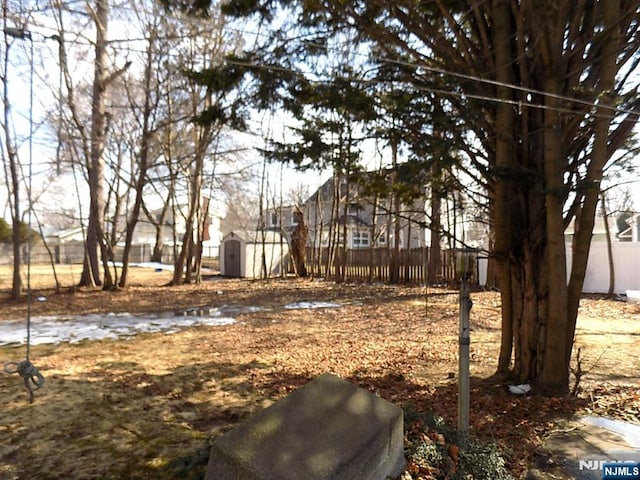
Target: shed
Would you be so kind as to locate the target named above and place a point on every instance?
(241, 254)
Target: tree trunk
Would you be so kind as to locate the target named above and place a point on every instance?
(182, 268)
(95, 241)
(539, 305)
(299, 238)
(394, 268)
(13, 180)
(502, 206)
(612, 271)
(434, 267)
(554, 370)
(134, 214)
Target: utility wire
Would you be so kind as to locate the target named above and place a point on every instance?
(414, 65)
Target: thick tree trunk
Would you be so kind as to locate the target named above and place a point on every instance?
(502, 206)
(539, 305)
(554, 372)
(299, 238)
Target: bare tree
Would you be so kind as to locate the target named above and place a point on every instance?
(150, 94)
(11, 160)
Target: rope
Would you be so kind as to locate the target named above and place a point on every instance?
(33, 379)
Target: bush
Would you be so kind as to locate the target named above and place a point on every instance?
(433, 452)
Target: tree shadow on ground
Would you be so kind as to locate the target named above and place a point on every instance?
(515, 424)
(119, 422)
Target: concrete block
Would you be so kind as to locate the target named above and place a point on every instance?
(329, 429)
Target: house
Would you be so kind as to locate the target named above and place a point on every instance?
(152, 228)
(172, 229)
(625, 227)
(628, 224)
(342, 206)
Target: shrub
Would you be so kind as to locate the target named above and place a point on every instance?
(433, 452)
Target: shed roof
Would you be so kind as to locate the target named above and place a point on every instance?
(256, 236)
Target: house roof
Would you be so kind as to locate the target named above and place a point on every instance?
(598, 227)
(614, 226)
(63, 235)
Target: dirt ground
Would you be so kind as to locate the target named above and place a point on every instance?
(148, 407)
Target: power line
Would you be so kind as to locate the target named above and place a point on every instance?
(441, 71)
(517, 103)
(412, 65)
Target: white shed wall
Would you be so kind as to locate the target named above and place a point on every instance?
(276, 256)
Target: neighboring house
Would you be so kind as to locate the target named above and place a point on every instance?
(625, 227)
(145, 233)
(173, 230)
(628, 224)
(367, 223)
(68, 235)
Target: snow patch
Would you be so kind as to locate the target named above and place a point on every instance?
(74, 329)
(630, 431)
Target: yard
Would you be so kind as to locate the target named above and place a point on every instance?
(148, 406)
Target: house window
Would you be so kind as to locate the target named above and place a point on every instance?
(360, 239)
(343, 188)
(382, 239)
(294, 218)
(274, 219)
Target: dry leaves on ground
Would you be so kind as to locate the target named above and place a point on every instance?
(147, 407)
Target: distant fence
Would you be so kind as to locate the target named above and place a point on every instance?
(373, 264)
(368, 264)
(68, 253)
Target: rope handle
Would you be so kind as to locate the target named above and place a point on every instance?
(33, 379)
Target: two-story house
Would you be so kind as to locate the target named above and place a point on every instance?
(341, 213)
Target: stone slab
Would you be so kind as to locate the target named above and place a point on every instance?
(329, 429)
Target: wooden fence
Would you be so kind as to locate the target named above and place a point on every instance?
(376, 265)
(354, 265)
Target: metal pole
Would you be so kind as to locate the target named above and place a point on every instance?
(463, 361)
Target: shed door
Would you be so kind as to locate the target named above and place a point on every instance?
(232, 258)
